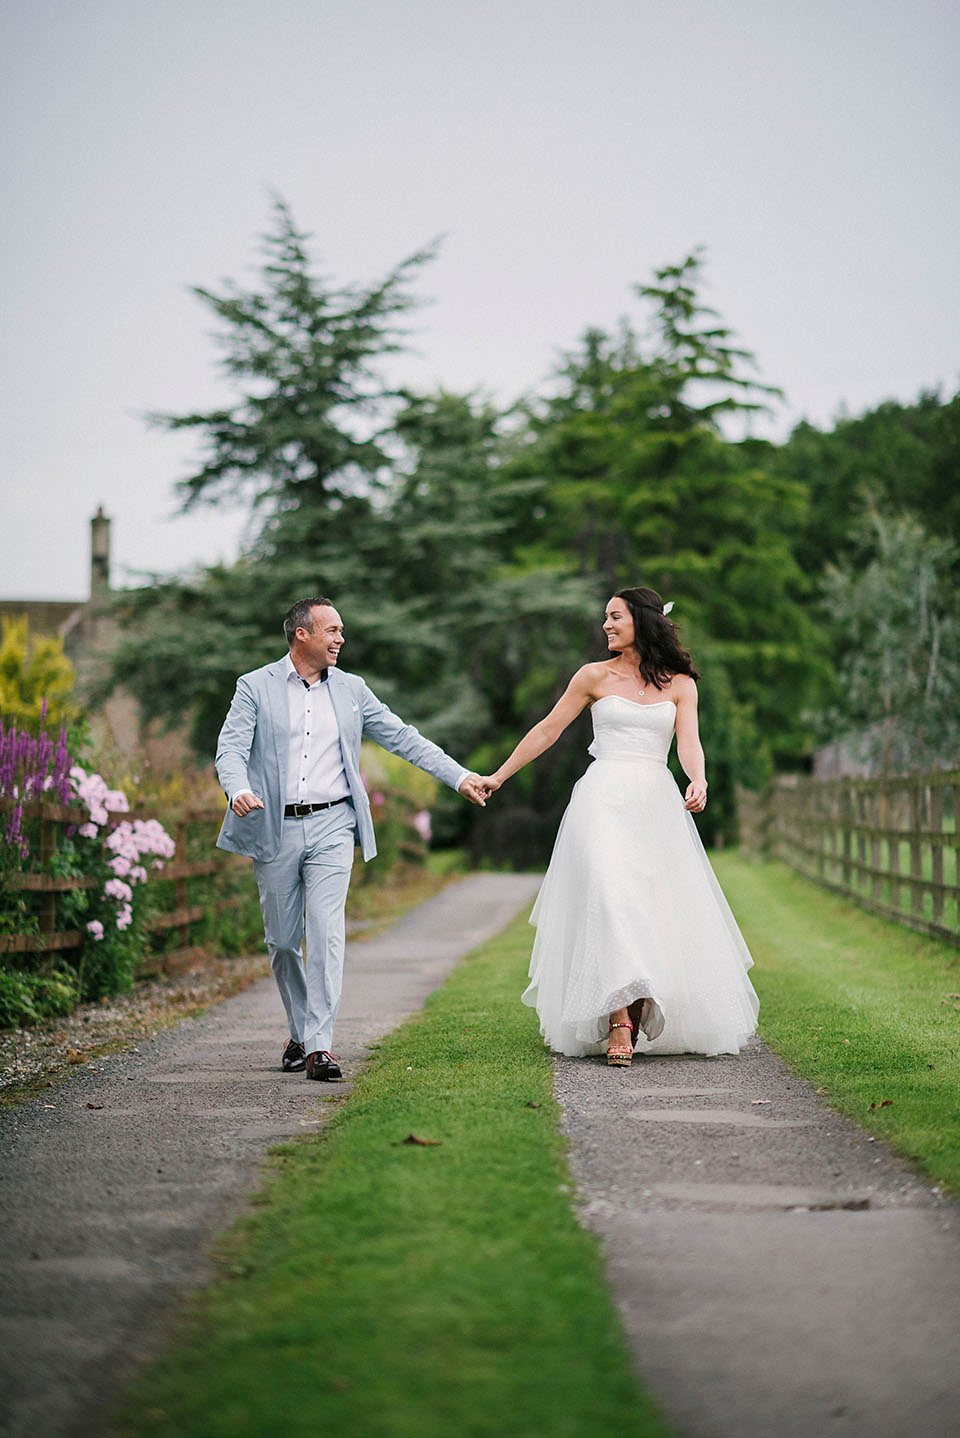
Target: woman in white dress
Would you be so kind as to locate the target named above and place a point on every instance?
(636, 948)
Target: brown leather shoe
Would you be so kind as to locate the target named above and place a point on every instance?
(323, 1066)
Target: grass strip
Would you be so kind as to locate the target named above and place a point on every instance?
(410, 1290)
(867, 1010)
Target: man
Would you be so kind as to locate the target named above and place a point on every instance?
(288, 760)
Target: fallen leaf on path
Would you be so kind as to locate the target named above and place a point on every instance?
(94, 1105)
(530, 1104)
(884, 1103)
(49, 1105)
(422, 1142)
(761, 1100)
(73, 1056)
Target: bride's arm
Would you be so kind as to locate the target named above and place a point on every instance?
(577, 694)
(689, 748)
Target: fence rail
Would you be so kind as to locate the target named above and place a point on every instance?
(177, 871)
(891, 844)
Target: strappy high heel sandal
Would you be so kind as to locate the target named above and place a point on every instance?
(620, 1055)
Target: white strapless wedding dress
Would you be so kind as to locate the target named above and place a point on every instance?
(630, 907)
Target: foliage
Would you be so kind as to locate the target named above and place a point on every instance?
(305, 428)
(36, 678)
(894, 614)
(906, 457)
(471, 551)
(400, 800)
(107, 855)
(468, 1248)
(638, 481)
(30, 768)
(29, 998)
(110, 911)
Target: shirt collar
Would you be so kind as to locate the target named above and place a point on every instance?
(291, 673)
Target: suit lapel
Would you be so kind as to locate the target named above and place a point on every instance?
(280, 718)
(342, 706)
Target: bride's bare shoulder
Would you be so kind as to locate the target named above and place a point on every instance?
(593, 676)
(681, 686)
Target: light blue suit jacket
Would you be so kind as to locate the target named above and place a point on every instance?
(254, 741)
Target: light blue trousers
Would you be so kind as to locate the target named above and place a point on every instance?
(305, 886)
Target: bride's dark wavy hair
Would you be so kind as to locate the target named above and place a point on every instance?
(655, 638)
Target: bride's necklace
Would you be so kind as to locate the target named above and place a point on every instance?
(629, 678)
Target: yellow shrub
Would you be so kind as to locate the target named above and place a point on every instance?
(31, 671)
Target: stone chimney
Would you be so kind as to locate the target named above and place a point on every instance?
(99, 554)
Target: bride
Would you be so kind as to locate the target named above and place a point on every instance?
(636, 948)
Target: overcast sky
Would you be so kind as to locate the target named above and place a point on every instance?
(564, 148)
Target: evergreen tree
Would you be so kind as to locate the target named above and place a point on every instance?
(638, 482)
(305, 356)
(306, 444)
(893, 610)
(906, 458)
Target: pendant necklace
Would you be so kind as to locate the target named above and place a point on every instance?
(639, 690)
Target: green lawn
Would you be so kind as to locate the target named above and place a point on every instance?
(413, 1290)
(866, 1010)
(406, 1291)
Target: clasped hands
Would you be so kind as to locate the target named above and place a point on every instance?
(477, 788)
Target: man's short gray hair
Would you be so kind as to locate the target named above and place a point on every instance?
(299, 616)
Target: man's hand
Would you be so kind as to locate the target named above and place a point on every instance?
(244, 803)
(471, 788)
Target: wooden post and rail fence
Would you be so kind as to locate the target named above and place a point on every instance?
(891, 844)
(178, 871)
(230, 875)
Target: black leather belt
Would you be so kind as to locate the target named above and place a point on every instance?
(300, 811)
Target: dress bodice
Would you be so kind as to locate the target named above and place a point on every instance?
(624, 730)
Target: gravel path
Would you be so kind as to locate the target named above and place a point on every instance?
(113, 1182)
(780, 1274)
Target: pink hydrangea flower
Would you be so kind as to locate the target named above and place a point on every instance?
(95, 928)
(125, 917)
(421, 822)
(87, 831)
(117, 889)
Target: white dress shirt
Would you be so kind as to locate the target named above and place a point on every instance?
(315, 772)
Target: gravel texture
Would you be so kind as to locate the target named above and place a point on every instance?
(779, 1272)
(780, 1275)
(46, 1053)
(114, 1180)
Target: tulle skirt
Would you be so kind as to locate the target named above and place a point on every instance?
(631, 909)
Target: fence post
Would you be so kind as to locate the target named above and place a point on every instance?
(826, 830)
(916, 850)
(936, 848)
(47, 902)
